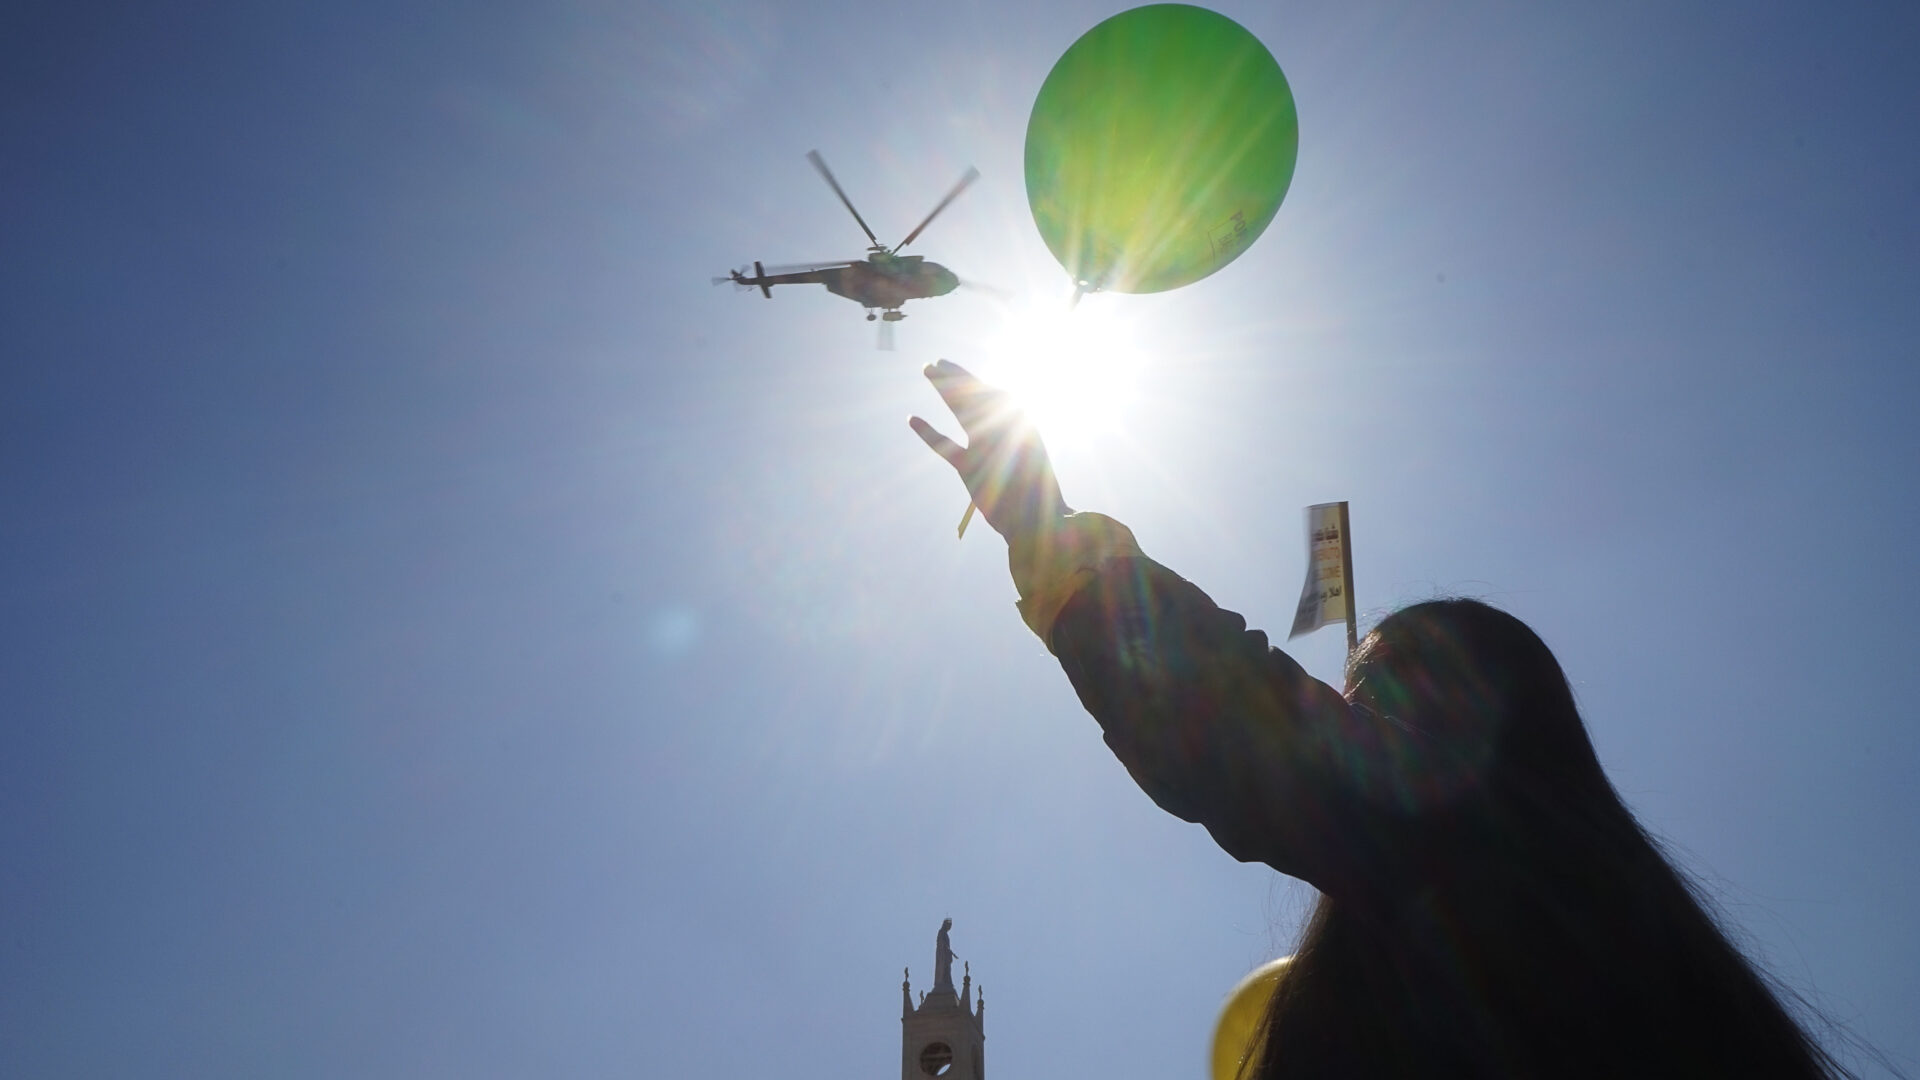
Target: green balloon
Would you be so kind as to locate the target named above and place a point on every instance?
(1159, 148)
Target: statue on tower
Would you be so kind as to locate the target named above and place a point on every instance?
(943, 959)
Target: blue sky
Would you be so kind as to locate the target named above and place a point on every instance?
(445, 636)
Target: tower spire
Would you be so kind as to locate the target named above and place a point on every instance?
(942, 1036)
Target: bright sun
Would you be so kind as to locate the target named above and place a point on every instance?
(1075, 370)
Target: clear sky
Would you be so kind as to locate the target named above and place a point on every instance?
(444, 636)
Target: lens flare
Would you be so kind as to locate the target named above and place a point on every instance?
(1076, 370)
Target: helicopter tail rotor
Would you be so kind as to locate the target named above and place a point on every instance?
(741, 282)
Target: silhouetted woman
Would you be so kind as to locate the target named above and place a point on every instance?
(1489, 907)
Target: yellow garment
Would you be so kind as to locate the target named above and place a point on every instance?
(1052, 563)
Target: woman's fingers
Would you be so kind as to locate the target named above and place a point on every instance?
(953, 452)
(954, 385)
(947, 369)
(975, 404)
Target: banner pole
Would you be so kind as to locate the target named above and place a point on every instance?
(1346, 581)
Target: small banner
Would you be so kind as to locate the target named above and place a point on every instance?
(1325, 599)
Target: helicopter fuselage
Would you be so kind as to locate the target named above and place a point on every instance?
(880, 281)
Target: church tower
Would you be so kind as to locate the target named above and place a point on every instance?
(945, 1035)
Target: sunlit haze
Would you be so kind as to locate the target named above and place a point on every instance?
(1074, 368)
(447, 636)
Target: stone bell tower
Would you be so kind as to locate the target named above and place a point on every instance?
(945, 1035)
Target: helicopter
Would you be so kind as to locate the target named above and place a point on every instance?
(881, 282)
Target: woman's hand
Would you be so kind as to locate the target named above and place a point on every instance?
(1004, 463)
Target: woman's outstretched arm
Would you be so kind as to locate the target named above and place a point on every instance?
(1216, 726)
(1221, 729)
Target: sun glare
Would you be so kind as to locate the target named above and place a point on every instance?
(1076, 370)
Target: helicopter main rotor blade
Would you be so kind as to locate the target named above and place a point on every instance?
(821, 164)
(972, 175)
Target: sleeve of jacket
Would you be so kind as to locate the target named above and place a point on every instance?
(1221, 729)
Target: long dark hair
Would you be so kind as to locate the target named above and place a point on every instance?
(1532, 928)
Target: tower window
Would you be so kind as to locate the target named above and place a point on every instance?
(936, 1059)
